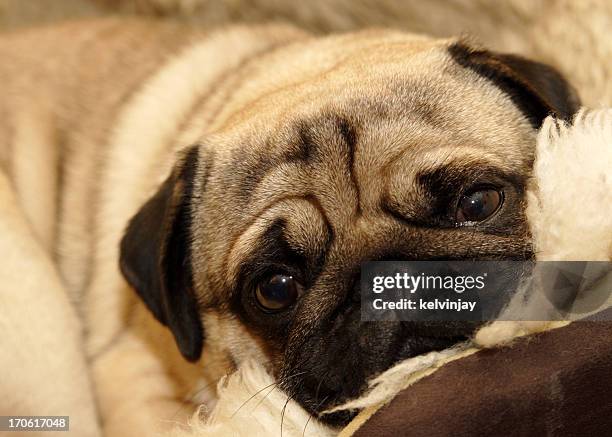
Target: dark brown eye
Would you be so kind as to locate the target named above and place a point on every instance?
(478, 205)
(278, 292)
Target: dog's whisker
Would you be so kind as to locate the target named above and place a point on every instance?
(320, 384)
(273, 388)
(273, 385)
(253, 396)
(265, 396)
(283, 414)
(310, 416)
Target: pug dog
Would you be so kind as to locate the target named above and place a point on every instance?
(228, 186)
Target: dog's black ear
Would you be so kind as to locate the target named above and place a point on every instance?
(537, 89)
(156, 257)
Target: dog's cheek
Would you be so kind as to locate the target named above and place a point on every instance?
(231, 339)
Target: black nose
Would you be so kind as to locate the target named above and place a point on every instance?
(342, 352)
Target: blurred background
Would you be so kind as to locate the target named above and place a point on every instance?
(17, 13)
(573, 35)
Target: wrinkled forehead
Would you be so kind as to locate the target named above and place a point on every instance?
(311, 154)
(408, 77)
(394, 128)
(399, 93)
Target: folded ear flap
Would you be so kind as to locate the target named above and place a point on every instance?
(156, 256)
(537, 89)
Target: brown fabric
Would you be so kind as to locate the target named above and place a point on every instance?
(558, 383)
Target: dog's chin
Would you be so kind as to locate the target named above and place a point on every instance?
(316, 396)
(317, 410)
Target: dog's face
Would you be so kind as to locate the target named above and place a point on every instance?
(356, 148)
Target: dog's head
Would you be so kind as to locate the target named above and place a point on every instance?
(371, 146)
